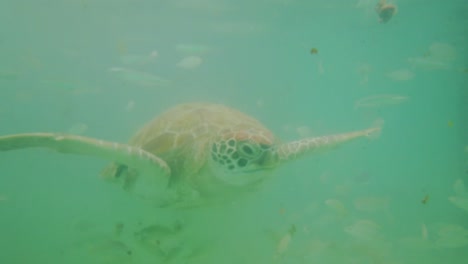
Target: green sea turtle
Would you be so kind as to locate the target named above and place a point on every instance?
(192, 151)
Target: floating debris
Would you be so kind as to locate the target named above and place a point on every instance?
(452, 236)
(190, 62)
(401, 75)
(140, 78)
(425, 199)
(380, 100)
(461, 198)
(442, 52)
(313, 51)
(336, 206)
(283, 244)
(161, 240)
(424, 232)
(3, 198)
(363, 229)
(460, 202)
(439, 56)
(385, 11)
(428, 64)
(282, 211)
(285, 240)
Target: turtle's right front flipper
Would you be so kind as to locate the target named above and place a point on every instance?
(136, 158)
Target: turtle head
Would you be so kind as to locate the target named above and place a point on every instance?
(241, 161)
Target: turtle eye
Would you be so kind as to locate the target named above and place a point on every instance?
(249, 150)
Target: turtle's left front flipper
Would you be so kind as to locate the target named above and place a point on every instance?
(134, 157)
(295, 149)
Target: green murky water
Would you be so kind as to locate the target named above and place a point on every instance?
(103, 68)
